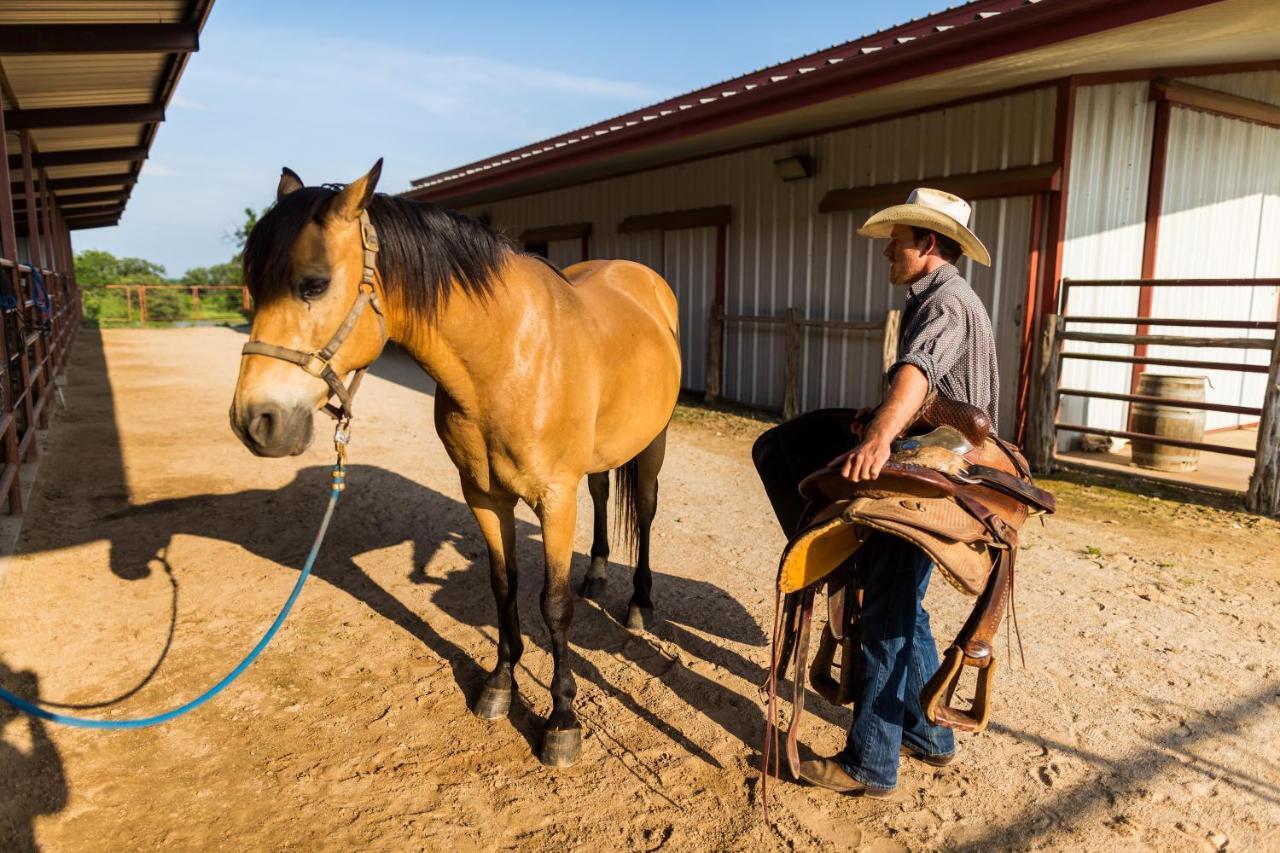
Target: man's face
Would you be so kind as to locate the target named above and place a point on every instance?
(906, 260)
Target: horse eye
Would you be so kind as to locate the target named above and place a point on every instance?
(311, 288)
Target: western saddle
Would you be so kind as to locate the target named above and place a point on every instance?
(951, 487)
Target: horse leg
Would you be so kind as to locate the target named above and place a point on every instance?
(562, 740)
(648, 464)
(593, 584)
(495, 514)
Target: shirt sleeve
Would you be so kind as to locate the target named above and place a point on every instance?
(938, 341)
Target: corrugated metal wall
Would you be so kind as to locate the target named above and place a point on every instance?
(1220, 215)
(1106, 221)
(782, 252)
(1221, 219)
(563, 253)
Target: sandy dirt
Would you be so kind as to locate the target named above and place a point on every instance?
(157, 550)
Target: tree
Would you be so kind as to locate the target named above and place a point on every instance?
(228, 273)
(95, 268)
(241, 235)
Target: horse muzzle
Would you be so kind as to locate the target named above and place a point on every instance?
(268, 429)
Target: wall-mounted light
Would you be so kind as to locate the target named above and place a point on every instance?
(794, 168)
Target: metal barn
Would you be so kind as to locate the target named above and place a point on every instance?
(1135, 141)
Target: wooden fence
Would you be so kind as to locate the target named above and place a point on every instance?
(794, 325)
(194, 290)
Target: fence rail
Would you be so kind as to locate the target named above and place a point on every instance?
(1263, 493)
(144, 304)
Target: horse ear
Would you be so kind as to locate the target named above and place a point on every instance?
(289, 181)
(355, 197)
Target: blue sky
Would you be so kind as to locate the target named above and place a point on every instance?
(328, 87)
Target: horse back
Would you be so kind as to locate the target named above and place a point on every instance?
(599, 278)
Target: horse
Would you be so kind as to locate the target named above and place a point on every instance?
(543, 377)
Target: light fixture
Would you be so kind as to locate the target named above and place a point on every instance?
(794, 168)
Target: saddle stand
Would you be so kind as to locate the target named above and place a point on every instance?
(951, 487)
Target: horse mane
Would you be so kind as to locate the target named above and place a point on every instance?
(426, 252)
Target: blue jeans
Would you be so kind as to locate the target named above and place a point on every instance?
(900, 658)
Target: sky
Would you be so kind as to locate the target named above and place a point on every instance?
(326, 88)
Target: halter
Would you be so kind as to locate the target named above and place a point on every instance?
(320, 363)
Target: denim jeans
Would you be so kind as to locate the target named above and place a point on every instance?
(900, 658)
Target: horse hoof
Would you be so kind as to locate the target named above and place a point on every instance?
(640, 618)
(593, 588)
(494, 703)
(561, 747)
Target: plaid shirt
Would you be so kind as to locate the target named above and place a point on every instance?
(946, 332)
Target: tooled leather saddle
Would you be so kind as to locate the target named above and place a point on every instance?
(951, 486)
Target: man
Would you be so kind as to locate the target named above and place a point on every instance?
(946, 348)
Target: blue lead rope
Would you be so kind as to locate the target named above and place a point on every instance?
(143, 722)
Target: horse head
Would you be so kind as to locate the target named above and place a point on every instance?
(310, 264)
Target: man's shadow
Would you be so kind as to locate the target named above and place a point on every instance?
(381, 509)
(32, 781)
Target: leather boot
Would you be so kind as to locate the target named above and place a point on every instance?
(827, 773)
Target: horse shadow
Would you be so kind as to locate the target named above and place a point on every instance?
(382, 509)
(32, 780)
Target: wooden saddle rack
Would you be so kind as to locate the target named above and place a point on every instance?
(951, 487)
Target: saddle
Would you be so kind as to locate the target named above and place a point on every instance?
(951, 486)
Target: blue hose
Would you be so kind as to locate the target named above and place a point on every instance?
(143, 722)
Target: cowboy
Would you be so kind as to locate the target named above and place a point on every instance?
(946, 348)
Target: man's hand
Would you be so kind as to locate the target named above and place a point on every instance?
(865, 461)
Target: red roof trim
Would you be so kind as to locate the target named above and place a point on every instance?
(978, 31)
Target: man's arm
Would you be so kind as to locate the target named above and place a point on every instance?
(907, 390)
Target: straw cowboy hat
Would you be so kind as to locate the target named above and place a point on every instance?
(935, 210)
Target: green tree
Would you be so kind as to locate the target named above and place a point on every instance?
(241, 235)
(228, 273)
(95, 268)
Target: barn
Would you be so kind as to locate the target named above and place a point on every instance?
(83, 90)
(1128, 149)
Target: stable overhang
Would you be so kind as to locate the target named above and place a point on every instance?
(89, 83)
(982, 47)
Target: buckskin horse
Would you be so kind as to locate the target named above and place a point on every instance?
(541, 377)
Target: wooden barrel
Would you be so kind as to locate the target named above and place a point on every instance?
(1169, 420)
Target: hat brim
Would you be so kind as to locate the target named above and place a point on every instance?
(880, 225)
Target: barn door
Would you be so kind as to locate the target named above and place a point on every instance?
(1003, 225)
(689, 266)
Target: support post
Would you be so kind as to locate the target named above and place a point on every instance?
(9, 347)
(791, 377)
(889, 346)
(142, 304)
(1041, 434)
(715, 353)
(128, 304)
(1263, 496)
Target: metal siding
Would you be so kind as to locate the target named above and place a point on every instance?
(563, 253)
(1106, 216)
(1220, 218)
(690, 261)
(782, 252)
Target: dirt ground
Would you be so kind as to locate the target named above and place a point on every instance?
(157, 550)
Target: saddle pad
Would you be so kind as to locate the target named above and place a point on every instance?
(955, 540)
(818, 550)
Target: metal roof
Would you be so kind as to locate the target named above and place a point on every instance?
(89, 80)
(1010, 42)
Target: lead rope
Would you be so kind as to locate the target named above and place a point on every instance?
(338, 482)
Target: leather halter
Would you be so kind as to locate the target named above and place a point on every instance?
(320, 363)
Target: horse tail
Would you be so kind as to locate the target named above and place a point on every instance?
(627, 518)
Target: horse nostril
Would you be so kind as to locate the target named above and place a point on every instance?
(263, 425)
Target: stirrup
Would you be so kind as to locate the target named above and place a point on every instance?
(937, 694)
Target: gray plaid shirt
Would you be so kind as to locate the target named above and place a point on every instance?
(946, 332)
